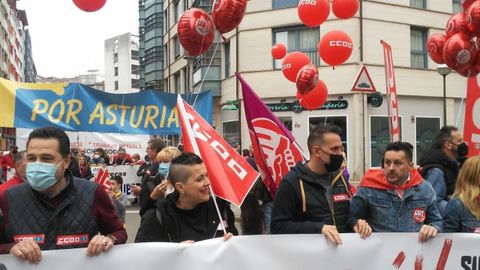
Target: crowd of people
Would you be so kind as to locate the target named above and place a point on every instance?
(177, 204)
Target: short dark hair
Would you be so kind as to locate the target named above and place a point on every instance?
(178, 172)
(157, 144)
(318, 133)
(406, 147)
(118, 179)
(442, 136)
(52, 133)
(19, 156)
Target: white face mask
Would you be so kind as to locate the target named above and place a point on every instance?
(96, 156)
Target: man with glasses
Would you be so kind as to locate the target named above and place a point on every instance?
(440, 165)
(314, 197)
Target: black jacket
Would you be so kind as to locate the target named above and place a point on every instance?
(293, 213)
(165, 224)
(436, 158)
(147, 185)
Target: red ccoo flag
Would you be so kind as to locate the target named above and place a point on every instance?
(102, 178)
(230, 174)
(275, 149)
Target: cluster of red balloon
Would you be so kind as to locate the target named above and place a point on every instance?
(459, 47)
(334, 48)
(196, 29)
(89, 5)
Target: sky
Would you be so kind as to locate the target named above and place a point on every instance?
(67, 41)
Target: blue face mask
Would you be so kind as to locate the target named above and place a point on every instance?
(40, 175)
(164, 168)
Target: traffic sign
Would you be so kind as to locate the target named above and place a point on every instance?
(363, 82)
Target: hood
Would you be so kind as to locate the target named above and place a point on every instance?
(375, 178)
(437, 156)
(303, 172)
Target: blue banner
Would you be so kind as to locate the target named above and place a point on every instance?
(77, 107)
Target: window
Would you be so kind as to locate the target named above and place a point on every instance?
(340, 121)
(227, 59)
(176, 42)
(287, 121)
(115, 57)
(284, 3)
(176, 79)
(115, 71)
(426, 127)
(379, 138)
(418, 3)
(418, 51)
(116, 85)
(186, 81)
(176, 11)
(298, 39)
(456, 6)
(231, 131)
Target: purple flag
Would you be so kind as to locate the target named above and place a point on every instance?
(274, 147)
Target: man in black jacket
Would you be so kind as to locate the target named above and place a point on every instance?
(154, 146)
(314, 197)
(440, 165)
(188, 214)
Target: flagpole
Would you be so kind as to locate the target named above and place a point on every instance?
(197, 151)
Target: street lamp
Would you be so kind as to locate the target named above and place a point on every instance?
(444, 70)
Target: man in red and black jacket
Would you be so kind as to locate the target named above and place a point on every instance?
(55, 210)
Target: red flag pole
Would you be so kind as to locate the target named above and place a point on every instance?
(188, 128)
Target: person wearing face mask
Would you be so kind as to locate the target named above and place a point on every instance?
(158, 184)
(440, 165)
(396, 198)
(19, 178)
(53, 206)
(314, 196)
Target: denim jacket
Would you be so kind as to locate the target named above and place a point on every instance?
(386, 211)
(458, 218)
(436, 178)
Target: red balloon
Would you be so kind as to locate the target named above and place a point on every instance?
(473, 15)
(467, 3)
(227, 14)
(313, 12)
(459, 52)
(345, 9)
(315, 98)
(292, 63)
(195, 31)
(89, 5)
(279, 51)
(298, 96)
(475, 67)
(435, 45)
(335, 47)
(307, 79)
(456, 24)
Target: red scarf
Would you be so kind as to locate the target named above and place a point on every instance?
(375, 178)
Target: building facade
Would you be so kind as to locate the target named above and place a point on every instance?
(93, 78)
(122, 66)
(404, 24)
(16, 62)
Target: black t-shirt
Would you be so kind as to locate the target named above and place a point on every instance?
(193, 223)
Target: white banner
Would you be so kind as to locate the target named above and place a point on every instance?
(92, 140)
(127, 172)
(275, 252)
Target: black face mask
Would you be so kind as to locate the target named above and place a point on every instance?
(462, 150)
(335, 163)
